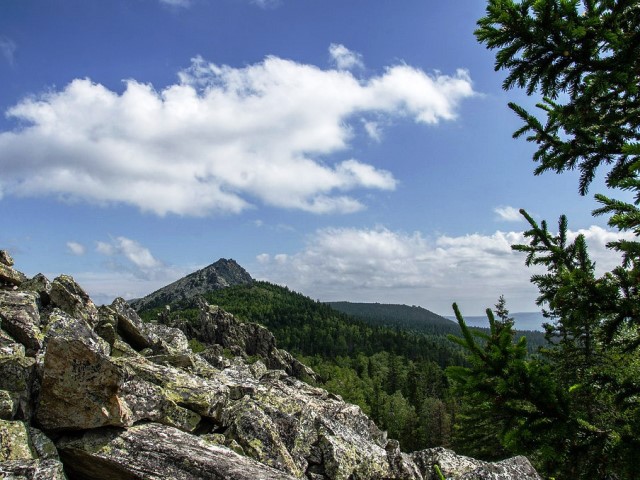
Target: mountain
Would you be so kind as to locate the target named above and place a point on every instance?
(221, 274)
(94, 393)
(523, 321)
(422, 321)
(406, 317)
(308, 327)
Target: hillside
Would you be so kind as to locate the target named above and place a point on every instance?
(309, 327)
(406, 317)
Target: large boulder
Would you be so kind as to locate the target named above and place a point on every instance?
(217, 327)
(157, 452)
(69, 297)
(27, 454)
(80, 383)
(459, 467)
(9, 277)
(20, 317)
(17, 373)
(41, 285)
(83, 387)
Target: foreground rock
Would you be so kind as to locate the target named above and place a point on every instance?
(128, 400)
(459, 467)
(156, 452)
(26, 453)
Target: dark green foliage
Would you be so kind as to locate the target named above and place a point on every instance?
(586, 53)
(308, 327)
(419, 320)
(196, 346)
(394, 375)
(412, 318)
(574, 409)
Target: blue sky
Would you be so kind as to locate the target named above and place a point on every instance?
(353, 150)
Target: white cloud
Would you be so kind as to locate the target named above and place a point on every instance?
(177, 3)
(380, 265)
(139, 259)
(508, 214)
(76, 248)
(8, 49)
(266, 4)
(373, 130)
(343, 58)
(220, 141)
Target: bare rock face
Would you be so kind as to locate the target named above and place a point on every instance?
(26, 453)
(80, 383)
(223, 273)
(69, 297)
(459, 467)
(128, 400)
(217, 327)
(10, 277)
(20, 317)
(157, 452)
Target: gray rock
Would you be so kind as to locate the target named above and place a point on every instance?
(10, 277)
(174, 339)
(5, 258)
(20, 317)
(17, 373)
(206, 397)
(79, 383)
(41, 285)
(47, 469)
(107, 326)
(14, 441)
(69, 297)
(459, 467)
(217, 327)
(8, 405)
(512, 468)
(157, 452)
(83, 387)
(220, 274)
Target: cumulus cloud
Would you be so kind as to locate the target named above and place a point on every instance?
(8, 49)
(394, 267)
(76, 248)
(508, 214)
(130, 256)
(219, 141)
(343, 58)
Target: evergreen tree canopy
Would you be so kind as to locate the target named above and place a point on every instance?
(575, 409)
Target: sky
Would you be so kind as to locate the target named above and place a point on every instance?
(353, 150)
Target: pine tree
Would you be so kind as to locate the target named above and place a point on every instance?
(583, 58)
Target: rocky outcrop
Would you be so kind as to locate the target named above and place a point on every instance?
(95, 393)
(217, 327)
(157, 452)
(223, 273)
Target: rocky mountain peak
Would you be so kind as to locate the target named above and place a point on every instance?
(221, 274)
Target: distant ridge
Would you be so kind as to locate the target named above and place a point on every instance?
(221, 274)
(531, 321)
(398, 316)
